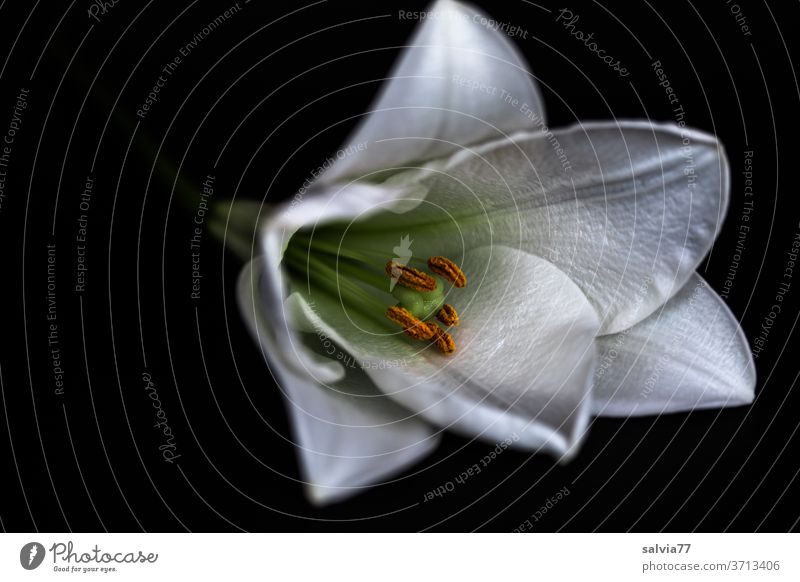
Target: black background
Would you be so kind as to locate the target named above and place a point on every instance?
(273, 92)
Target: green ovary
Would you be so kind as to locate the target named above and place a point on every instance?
(421, 304)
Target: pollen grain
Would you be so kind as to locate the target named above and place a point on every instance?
(447, 269)
(413, 327)
(444, 341)
(448, 315)
(410, 277)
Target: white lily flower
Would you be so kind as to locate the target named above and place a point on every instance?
(579, 248)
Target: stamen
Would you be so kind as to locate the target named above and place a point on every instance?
(444, 341)
(423, 331)
(410, 277)
(448, 315)
(414, 328)
(447, 269)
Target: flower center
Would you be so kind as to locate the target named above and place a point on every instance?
(420, 295)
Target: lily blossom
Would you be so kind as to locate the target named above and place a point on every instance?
(466, 268)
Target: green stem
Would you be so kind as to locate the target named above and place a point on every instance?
(237, 225)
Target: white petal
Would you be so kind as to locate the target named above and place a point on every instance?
(689, 355)
(447, 90)
(316, 206)
(626, 209)
(524, 361)
(348, 434)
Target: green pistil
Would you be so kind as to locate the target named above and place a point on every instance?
(421, 304)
